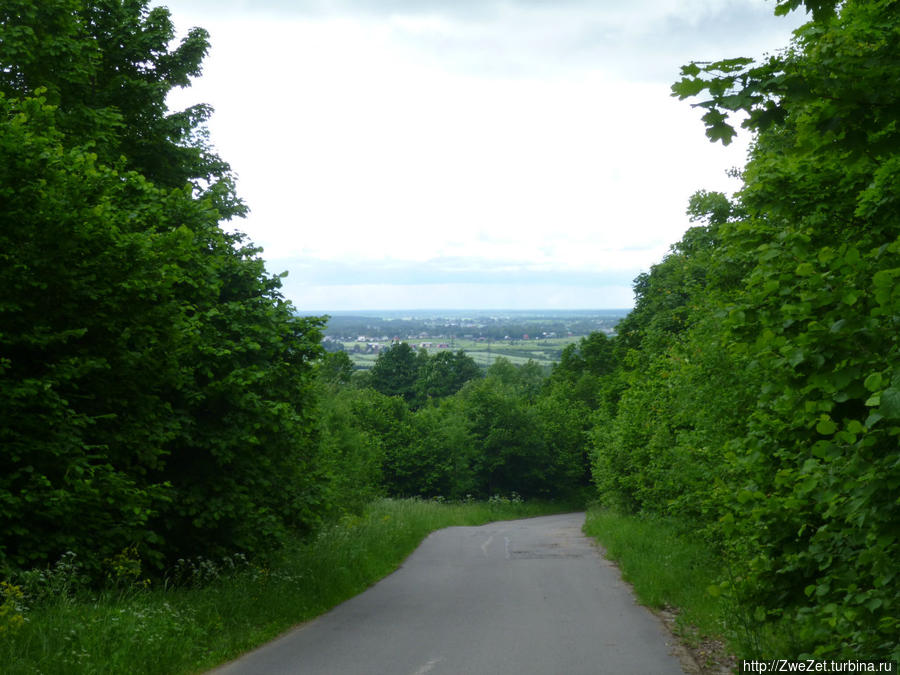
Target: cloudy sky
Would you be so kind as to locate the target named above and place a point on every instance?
(466, 154)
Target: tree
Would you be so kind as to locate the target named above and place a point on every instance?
(396, 371)
(584, 369)
(107, 68)
(155, 387)
(336, 367)
(510, 453)
(352, 451)
(444, 373)
(71, 367)
(527, 378)
(813, 315)
(564, 424)
(438, 460)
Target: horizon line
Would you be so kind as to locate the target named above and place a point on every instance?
(459, 309)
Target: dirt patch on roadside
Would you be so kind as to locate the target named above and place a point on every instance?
(698, 654)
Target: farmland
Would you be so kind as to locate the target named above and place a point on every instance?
(516, 336)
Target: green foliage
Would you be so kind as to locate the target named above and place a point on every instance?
(335, 368)
(512, 453)
(563, 424)
(444, 374)
(438, 461)
(668, 567)
(351, 453)
(584, 369)
(154, 385)
(396, 372)
(11, 610)
(372, 443)
(107, 68)
(526, 379)
(76, 461)
(818, 319)
(418, 377)
(667, 299)
(761, 387)
(494, 435)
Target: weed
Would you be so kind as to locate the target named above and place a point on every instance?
(500, 501)
(12, 610)
(208, 611)
(124, 568)
(63, 580)
(671, 571)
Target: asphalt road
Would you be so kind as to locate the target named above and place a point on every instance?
(516, 597)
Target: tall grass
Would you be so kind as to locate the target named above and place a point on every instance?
(211, 611)
(672, 570)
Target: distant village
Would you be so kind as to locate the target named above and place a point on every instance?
(368, 335)
(365, 344)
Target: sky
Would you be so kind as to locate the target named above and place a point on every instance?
(466, 154)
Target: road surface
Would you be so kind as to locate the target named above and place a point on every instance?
(518, 597)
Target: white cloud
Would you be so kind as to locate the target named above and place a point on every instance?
(322, 299)
(540, 134)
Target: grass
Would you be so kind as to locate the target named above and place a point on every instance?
(670, 570)
(219, 609)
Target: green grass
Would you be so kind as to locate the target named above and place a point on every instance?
(674, 569)
(668, 568)
(220, 609)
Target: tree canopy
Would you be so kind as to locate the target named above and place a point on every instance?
(154, 384)
(761, 380)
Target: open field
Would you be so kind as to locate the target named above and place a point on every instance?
(543, 351)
